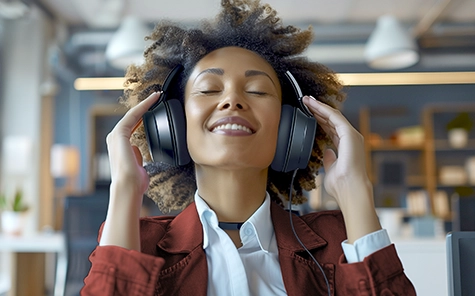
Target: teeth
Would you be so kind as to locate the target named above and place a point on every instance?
(234, 126)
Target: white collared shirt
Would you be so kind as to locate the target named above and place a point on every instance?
(254, 268)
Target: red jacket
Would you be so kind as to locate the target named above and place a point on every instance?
(173, 262)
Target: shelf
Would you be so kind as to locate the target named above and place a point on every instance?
(444, 146)
(454, 185)
(409, 181)
(416, 181)
(391, 146)
(422, 160)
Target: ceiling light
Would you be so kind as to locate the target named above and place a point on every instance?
(13, 9)
(99, 83)
(127, 45)
(390, 46)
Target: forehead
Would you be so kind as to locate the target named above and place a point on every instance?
(233, 59)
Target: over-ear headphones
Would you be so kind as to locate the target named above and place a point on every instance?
(165, 126)
(165, 130)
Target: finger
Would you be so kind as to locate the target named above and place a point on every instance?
(328, 127)
(136, 126)
(325, 112)
(333, 118)
(132, 118)
(332, 133)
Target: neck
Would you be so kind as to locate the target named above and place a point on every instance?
(233, 194)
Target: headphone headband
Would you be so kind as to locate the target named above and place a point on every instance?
(171, 77)
(298, 93)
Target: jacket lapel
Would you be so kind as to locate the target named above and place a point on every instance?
(186, 271)
(184, 233)
(300, 274)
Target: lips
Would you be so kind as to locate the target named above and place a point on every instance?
(234, 125)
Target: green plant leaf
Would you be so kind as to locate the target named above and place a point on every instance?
(18, 205)
(3, 202)
(462, 120)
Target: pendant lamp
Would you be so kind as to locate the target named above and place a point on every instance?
(390, 46)
(127, 45)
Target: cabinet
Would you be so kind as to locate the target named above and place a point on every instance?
(393, 167)
(396, 168)
(442, 157)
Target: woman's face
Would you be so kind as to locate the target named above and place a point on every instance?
(232, 107)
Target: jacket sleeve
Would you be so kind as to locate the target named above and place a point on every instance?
(118, 271)
(380, 273)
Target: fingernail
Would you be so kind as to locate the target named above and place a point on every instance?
(158, 92)
(312, 98)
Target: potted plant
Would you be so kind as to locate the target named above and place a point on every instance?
(458, 129)
(13, 213)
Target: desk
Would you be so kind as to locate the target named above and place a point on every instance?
(40, 243)
(424, 261)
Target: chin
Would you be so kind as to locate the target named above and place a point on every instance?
(234, 164)
(232, 158)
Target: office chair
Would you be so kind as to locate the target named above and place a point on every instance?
(83, 216)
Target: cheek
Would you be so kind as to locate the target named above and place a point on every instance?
(272, 119)
(273, 116)
(193, 118)
(196, 117)
(196, 113)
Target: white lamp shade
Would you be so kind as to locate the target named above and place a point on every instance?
(390, 46)
(16, 155)
(64, 161)
(127, 45)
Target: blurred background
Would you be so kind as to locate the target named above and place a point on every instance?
(409, 71)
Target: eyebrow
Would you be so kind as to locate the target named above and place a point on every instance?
(216, 71)
(250, 73)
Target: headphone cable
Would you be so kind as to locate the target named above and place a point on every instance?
(297, 237)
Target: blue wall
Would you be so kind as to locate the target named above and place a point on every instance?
(72, 121)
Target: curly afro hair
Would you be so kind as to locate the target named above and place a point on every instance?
(250, 25)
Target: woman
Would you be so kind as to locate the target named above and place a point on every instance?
(233, 88)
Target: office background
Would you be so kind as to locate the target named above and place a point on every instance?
(45, 45)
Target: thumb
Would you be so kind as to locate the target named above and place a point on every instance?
(329, 158)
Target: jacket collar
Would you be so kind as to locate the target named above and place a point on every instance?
(285, 236)
(185, 232)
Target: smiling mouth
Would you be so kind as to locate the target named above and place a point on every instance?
(232, 127)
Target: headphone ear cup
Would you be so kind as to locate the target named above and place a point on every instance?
(165, 131)
(295, 140)
(283, 139)
(177, 119)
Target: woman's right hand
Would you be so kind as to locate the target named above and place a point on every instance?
(129, 181)
(125, 159)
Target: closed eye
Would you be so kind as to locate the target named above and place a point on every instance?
(259, 93)
(206, 92)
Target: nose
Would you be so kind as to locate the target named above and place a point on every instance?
(232, 101)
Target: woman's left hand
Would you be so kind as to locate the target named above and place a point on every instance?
(346, 178)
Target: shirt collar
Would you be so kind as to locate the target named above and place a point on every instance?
(260, 222)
